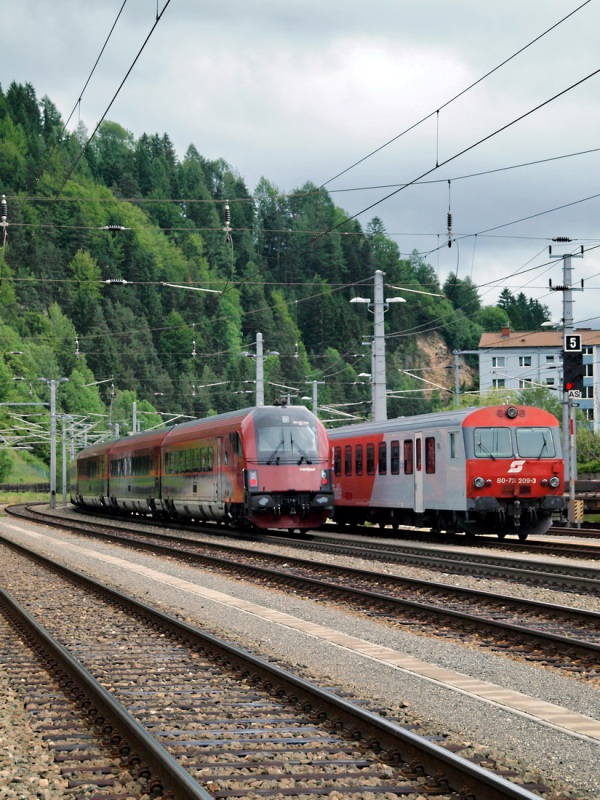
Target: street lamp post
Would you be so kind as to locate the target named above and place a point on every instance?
(260, 368)
(378, 307)
(53, 384)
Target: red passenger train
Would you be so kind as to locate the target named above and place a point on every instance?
(477, 470)
(263, 467)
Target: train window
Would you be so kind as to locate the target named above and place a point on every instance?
(370, 459)
(535, 443)
(493, 443)
(429, 455)
(358, 459)
(92, 468)
(337, 460)
(395, 457)
(452, 445)
(382, 458)
(408, 457)
(140, 465)
(287, 442)
(418, 463)
(235, 440)
(348, 459)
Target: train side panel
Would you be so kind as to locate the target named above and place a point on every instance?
(134, 473)
(497, 468)
(202, 465)
(88, 476)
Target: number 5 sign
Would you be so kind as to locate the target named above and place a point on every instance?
(572, 343)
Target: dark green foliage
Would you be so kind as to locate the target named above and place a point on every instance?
(525, 314)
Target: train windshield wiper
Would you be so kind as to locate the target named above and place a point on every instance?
(303, 455)
(274, 453)
(544, 446)
(481, 446)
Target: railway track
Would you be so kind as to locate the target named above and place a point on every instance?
(555, 636)
(190, 716)
(563, 576)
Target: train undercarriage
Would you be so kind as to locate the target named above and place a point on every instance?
(517, 518)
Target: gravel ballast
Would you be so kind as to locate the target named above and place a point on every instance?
(520, 743)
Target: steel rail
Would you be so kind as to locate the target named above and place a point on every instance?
(399, 743)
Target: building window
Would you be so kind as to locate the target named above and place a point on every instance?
(498, 362)
(588, 392)
(525, 383)
(549, 381)
(587, 351)
(524, 361)
(550, 359)
(588, 371)
(498, 383)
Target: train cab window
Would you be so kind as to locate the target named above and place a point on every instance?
(408, 457)
(493, 443)
(382, 458)
(370, 459)
(348, 459)
(535, 443)
(358, 459)
(418, 457)
(285, 439)
(337, 460)
(429, 455)
(395, 457)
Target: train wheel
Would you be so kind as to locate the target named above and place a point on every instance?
(523, 535)
(501, 534)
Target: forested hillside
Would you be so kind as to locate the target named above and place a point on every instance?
(84, 214)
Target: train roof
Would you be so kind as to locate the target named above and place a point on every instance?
(446, 419)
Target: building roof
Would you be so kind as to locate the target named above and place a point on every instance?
(531, 339)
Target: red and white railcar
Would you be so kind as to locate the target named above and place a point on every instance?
(497, 468)
(266, 467)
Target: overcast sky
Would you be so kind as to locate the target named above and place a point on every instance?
(299, 91)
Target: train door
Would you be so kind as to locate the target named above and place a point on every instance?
(221, 457)
(418, 473)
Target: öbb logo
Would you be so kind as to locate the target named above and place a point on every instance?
(516, 466)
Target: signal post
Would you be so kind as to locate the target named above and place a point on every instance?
(572, 369)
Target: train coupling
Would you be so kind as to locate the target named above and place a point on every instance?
(517, 513)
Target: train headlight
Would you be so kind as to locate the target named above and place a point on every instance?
(554, 482)
(479, 483)
(511, 412)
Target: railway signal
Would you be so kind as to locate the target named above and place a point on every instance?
(573, 371)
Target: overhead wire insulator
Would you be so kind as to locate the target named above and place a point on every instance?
(4, 209)
(227, 227)
(561, 239)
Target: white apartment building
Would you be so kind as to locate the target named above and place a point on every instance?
(525, 359)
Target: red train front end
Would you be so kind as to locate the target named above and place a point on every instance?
(514, 470)
(287, 479)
